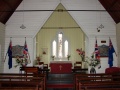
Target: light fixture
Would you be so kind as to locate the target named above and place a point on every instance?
(23, 26)
(101, 26)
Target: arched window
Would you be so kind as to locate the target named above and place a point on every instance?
(60, 47)
(66, 48)
(54, 48)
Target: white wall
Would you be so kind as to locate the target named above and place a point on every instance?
(118, 42)
(18, 41)
(2, 44)
(104, 60)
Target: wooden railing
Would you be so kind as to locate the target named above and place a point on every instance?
(16, 81)
(97, 81)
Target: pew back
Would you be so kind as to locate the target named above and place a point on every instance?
(102, 80)
(25, 81)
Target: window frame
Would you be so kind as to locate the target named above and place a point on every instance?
(63, 58)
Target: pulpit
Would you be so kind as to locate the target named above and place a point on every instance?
(61, 67)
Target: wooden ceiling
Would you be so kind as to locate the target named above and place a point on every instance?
(113, 8)
(7, 8)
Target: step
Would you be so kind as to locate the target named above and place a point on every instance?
(60, 86)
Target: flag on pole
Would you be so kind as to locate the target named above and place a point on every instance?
(110, 53)
(97, 53)
(9, 52)
(25, 50)
(26, 53)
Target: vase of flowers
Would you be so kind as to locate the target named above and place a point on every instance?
(68, 56)
(53, 57)
(21, 61)
(93, 62)
(38, 59)
(81, 53)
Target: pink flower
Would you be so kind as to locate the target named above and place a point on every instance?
(81, 53)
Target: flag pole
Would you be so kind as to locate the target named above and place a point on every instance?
(28, 52)
(7, 51)
(115, 51)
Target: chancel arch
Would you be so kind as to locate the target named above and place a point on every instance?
(73, 37)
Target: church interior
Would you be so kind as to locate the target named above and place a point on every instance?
(59, 44)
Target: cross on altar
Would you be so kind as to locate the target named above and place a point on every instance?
(60, 67)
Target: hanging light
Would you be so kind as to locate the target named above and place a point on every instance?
(23, 26)
(101, 25)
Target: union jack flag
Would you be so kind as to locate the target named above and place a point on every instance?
(25, 50)
(97, 53)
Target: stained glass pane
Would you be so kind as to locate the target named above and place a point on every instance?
(66, 48)
(60, 45)
(54, 48)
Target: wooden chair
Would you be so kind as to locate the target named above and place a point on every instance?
(32, 70)
(45, 66)
(77, 65)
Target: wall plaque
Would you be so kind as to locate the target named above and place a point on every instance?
(17, 51)
(103, 50)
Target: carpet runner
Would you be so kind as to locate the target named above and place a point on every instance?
(60, 82)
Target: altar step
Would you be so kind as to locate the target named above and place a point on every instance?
(60, 82)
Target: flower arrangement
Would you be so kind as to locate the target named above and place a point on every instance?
(68, 56)
(37, 60)
(53, 57)
(21, 61)
(81, 53)
(93, 62)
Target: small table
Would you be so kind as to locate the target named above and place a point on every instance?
(80, 70)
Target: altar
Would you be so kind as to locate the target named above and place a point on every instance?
(60, 67)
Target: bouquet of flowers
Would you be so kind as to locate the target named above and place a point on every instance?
(53, 57)
(68, 56)
(81, 53)
(37, 60)
(21, 61)
(93, 61)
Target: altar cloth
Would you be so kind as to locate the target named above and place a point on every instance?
(60, 67)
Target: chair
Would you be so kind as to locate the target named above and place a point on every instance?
(77, 65)
(45, 66)
(31, 70)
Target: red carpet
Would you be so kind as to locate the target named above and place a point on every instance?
(60, 86)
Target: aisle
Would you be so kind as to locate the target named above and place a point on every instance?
(60, 82)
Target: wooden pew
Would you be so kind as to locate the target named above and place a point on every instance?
(14, 81)
(88, 81)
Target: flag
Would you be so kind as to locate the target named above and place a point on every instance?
(9, 52)
(25, 50)
(110, 53)
(97, 53)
